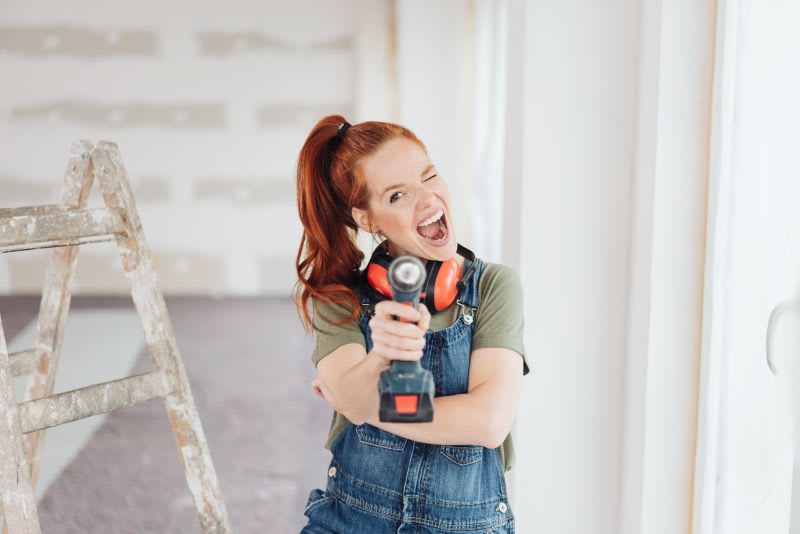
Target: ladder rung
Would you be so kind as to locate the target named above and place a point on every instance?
(5, 213)
(59, 225)
(22, 362)
(92, 400)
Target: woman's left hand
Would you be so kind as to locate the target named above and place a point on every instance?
(320, 389)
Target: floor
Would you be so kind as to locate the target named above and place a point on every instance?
(249, 366)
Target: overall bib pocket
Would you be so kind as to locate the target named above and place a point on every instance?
(371, 435)
(462, 454)
(316, 498)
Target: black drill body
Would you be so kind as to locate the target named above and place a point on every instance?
(406, 389)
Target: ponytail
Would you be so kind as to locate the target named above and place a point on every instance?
(328, 259)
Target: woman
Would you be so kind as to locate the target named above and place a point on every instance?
(446, 475)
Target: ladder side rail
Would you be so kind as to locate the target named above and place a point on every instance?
(19, 504)
(23, 362)
(160, 339)
(56, 294)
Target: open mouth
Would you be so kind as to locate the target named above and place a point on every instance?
(434, 229)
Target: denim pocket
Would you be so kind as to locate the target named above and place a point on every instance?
(507, 528)
(376, 437)
(462, 454)
(316, 498)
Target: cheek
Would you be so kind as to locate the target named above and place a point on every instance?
(394, 220)
(442, 190)
(383, 219)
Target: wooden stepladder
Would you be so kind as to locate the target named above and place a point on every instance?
(64, 227)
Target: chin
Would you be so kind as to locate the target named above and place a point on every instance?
(442, 253)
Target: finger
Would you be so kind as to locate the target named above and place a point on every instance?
(402, 343)
(389, 308)
(397, 328)
(396, 354)
(425, 318)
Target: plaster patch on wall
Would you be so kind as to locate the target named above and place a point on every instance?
(95, 272)
(15, 192)
(222, 44)
(101, 272)
(345, 43)
(26, 273)
(299, 115)
(228, 44)
(151, 190)
(247, 192)
(209, 115)
(75, 41)
(190, 273)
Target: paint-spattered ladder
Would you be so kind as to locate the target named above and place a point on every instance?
(64, 227)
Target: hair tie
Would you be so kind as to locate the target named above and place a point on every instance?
(336, 141)
(342, 129)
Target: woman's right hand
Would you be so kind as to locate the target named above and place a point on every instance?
(398, 340)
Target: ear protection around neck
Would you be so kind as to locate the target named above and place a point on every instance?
(443, 280)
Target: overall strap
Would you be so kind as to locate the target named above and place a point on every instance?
(368, 298)
(468, 297)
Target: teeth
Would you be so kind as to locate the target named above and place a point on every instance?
(435, 217)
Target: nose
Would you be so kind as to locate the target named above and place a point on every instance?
(426, 198)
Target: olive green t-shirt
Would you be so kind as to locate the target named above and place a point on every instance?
(498, 323)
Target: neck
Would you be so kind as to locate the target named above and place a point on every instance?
(394, 252)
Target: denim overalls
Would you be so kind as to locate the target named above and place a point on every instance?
(379, 482)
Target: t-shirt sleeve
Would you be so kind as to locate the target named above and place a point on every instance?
(328, 335)
(499, 318)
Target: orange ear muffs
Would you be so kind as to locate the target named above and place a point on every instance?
(443, 280)
(440, 287)
(378, 273)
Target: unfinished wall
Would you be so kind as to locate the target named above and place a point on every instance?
(209, 103)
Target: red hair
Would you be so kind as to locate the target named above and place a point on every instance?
(328, 186)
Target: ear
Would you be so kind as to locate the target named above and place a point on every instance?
(362, 219)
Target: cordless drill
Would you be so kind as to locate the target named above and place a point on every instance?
(406, 389)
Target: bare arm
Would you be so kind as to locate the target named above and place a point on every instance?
(348, 381)
(483, 416)
(349, 375)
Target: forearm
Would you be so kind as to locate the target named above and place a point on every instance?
(356, 392)
(457, 420)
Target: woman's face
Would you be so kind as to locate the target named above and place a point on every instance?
(409, 202)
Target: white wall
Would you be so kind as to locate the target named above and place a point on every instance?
(606, 218)
(435, 87)
(450, 89)
(667, 262)
(569, 170)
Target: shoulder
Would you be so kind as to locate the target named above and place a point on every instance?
(498, 278)
(333, 329)
(328, 315)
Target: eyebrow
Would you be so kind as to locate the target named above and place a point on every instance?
(427, 169)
